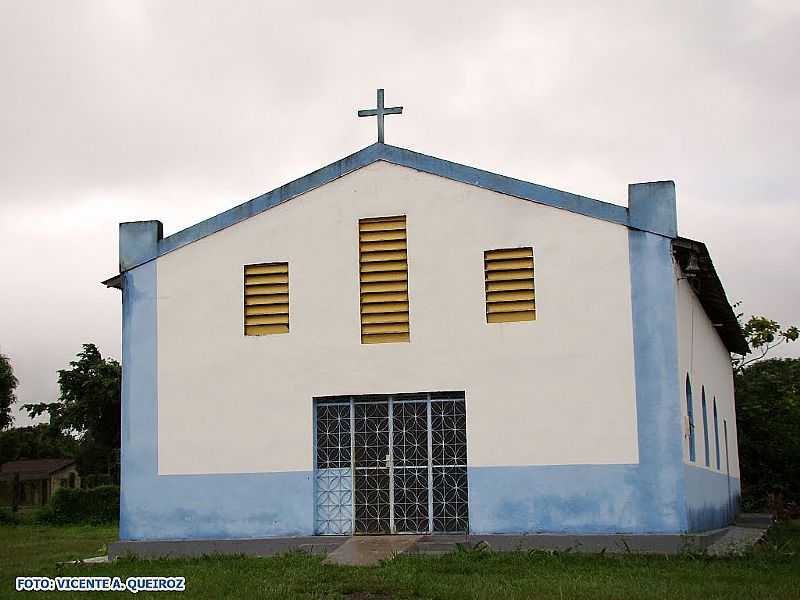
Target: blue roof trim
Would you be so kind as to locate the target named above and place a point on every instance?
(506, 185)
(406, 158)
(286, 192)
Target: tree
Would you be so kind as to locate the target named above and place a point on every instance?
(8, 383)
(763, 335)
(89, 407)
(768, 419)
(36, 441)
(767, 415)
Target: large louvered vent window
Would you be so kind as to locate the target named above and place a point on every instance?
(384, 280)
(509, 285)
(266, 298)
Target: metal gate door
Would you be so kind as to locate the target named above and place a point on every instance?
(373, 474)
(410, 473)
(391, 464)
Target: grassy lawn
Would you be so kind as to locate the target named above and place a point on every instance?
(771, 571)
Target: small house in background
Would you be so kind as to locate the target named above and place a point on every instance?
(396, 343)
(38, 479)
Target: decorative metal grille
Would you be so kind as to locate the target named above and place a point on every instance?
(449, 465)
(448, 433)
(410, 462)
(450, 509)
(372, 502)
(391, 464)
(371, 450)
(334, 476)
(334, 507)
(333, 436)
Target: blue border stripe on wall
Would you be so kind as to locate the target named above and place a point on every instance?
(153, 506)
(655, 349)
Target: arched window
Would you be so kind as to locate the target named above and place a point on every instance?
(716, 430)
(690, 415)
(705, 426)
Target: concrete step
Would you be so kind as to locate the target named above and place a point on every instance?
(248, 547)
(737, 540)
(363, 550)
(756, 520)
(588, 543)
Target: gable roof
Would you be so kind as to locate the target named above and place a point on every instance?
(407, 158)
(36, 466)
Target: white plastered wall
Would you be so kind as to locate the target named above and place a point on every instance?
(702, 354)
(559, 390)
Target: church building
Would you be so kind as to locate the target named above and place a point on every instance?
(396, 343)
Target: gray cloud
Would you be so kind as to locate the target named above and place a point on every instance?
(178, 110)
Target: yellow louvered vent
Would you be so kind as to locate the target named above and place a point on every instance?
(266, 299)
(384, 280)
(509, 285)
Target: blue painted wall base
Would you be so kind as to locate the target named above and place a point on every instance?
(532, 499)
(595, 499)
(712, 498)
(567, 499)
(218, 507)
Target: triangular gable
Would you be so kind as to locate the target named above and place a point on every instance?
(406, 158)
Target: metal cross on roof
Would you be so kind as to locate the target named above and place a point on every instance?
(379, 112)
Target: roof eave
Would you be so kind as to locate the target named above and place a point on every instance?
(711, 294)
(113, 282)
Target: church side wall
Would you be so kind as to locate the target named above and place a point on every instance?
(712, 491)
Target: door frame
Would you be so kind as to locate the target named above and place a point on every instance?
(429, 398)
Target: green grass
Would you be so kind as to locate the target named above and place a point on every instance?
(771, 571)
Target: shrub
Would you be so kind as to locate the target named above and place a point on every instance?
(7, 517)
(44, 514)
(94, 505)
(768, 419)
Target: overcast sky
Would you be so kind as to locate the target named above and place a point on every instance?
(118, 111)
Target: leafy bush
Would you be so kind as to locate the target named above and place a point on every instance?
(768, 419)
(7, 517)
(94, 505)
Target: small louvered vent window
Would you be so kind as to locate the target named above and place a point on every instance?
(266, 298)
(509, 285)
(384, 280)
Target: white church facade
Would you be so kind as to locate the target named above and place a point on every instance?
(397, 343)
